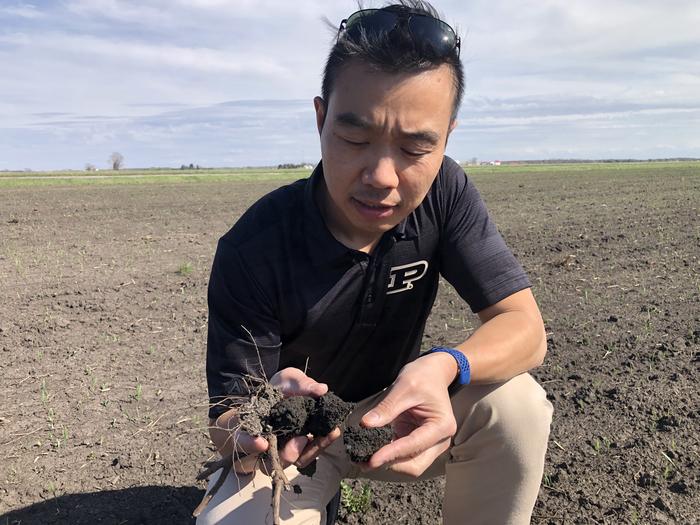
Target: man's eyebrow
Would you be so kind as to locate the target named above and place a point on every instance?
(355, 121)
(429, 137)
(351, 119)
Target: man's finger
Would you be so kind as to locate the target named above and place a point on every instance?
(410, 446)
(247, 450)
(397, 401)
(292, 449)
(315, 447)
(416, 466)
(294, 382)
(248, 444)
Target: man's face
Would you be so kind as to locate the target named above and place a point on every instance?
(383, 136)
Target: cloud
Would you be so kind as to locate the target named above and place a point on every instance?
(587, 77)
(144, 54)
(21, 11)
(125, 12)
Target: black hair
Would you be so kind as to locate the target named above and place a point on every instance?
(393, 52)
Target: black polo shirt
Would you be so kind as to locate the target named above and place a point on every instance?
(284, 292)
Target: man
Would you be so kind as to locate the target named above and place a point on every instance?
(335, 276)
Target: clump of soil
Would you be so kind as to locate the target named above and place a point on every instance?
(361, 442)
(288, 417)
(254, 411)
(266, 413)
(328, 413)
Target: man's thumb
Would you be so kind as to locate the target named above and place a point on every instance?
(380, 415)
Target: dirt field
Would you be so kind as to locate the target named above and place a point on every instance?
(103, 324)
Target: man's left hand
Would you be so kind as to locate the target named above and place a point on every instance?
(419, 410)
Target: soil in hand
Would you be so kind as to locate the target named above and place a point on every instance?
(299, 416)
(288, 417)
(361, 443)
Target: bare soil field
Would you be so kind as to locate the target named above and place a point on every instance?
(103, 329)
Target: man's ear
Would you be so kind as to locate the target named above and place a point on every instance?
(320, 107)
(453, 125)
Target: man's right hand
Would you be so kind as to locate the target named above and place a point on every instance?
(292, 382)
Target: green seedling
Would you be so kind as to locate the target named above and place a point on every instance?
(43, 392)
(185, 269)
(597, 445)
(355, 501)
(138, 392)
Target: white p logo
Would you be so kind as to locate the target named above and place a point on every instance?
(403, 277)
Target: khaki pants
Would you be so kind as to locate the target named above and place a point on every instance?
(493, 469)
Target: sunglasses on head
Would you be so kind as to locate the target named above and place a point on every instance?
(431, 34)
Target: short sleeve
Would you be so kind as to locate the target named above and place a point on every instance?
(243, 338)
(474, 257)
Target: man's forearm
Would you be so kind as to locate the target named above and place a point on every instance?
(507, 345)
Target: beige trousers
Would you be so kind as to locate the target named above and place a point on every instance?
(493, 469)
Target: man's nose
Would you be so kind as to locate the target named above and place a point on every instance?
(381, 173)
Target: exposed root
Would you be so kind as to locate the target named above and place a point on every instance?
(279, 479)
(225, 464)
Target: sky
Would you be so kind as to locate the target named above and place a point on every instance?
(231, 82)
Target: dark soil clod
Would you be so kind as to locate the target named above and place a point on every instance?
(328, 413)
(288, 417)
(361, 443)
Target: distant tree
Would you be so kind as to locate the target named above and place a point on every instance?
(90, 167)
(116, 160)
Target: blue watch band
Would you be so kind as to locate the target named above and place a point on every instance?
(462, 363)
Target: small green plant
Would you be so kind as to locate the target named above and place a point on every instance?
(50, 487)
(43, 392)
(138, 392)
(668, 472)
(355, 501)
(185, 269)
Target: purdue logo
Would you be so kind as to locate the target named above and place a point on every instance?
(401, 278)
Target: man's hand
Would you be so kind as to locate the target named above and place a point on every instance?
(419, 410)
(299, 450)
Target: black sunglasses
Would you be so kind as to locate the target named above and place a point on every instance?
(433, 35)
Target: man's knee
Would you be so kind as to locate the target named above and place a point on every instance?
(516, 411)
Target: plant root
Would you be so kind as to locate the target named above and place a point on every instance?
(279, 479)
(226, 464)
(267, 414)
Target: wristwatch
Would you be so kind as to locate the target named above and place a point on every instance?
(462, 362)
